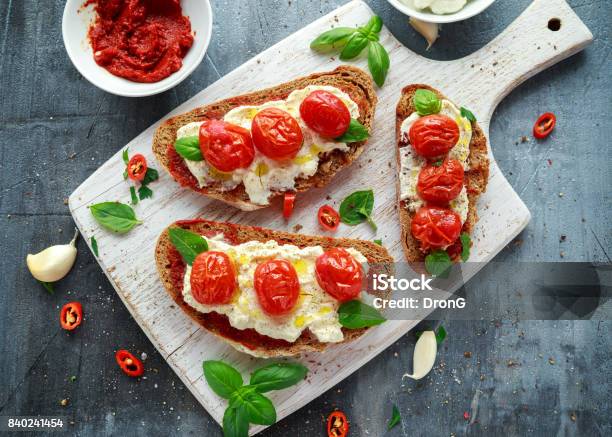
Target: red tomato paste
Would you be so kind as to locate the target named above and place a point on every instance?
(140, 40)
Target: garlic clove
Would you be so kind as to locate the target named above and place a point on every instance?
(53, 263)
(424, 355)
(429, 31)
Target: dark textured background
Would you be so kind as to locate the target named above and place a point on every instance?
(543, 378)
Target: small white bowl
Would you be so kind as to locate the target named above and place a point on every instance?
(75, 25)
(473, 7)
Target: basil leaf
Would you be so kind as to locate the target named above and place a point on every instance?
(426, 102)
(125, 156)
(395, 418)
(115, 216)
(222, 378)
(355, 314)
(150, 176)
(379, 242)
(355, 132)
(440, 334)
(466, 242)
(438, 263)
(189, 148)
(277, 376)
(378, 62)
(47, 285)
(259, 409)
(354, 46)
(94, 245)
(235, 422)
(468, 114)
(374, 24)
(125, 175)
(357, 207)
(189, 244)
(144, 192)
(332, 39)
(133, 195)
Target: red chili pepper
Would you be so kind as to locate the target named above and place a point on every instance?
(544, 125)
(337, 425)
(130, 365)
(71, 315)
(329, 219)
(288, 204)
(137, 167)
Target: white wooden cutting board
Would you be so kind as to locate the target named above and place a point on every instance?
(478, 81)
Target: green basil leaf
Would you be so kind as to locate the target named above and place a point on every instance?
(438, 263)
(466, 242)
(189, 148)
(355, 132)
(115, 216)
(355, 314)
(133, 195)
(189, 244)
(259, 409)
(354, 46)
(94, 245)
(378, 62)
(374, 24)
(395, 418)
(426, 102)
(235, 422)
(277, 376)
(332, 39)
(379, 242)
(125, 156)
(150, 176)
(222, 378)
(468, 114)
(440, 334)
(144, 192)
(125, 175)
(357, 208)
(47, 285)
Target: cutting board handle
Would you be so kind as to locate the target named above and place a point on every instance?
(544, 34)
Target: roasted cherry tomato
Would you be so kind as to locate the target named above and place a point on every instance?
(277, 286)
(130, 365)
(435, 227)
(137, 167)
(337, 425)
(544, 125)
(288, 203)
(325, 114)
(339, 274)
(440, 182)
(433, 135)
(71, 315)
(276, 134)
(329, 219)
(226, 146)
(213, 278)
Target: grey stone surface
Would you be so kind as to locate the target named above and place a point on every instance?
(540, 377)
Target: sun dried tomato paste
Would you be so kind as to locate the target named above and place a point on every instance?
(140, 40)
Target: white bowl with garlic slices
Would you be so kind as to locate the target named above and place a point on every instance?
(441, 11)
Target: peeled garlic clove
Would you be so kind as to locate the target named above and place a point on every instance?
(424, 355)
(53, 263)
(428, 30)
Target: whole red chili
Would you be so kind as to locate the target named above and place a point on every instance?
(71, 315)
(337, 425)
(130, 365)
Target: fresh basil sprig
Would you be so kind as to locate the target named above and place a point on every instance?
(332, 39)
(247, 404)
(465, 112)
(355, 132)
(466, 242)
(426, 102)
(357, 208)
(378, 62)
(115, 216)
(355, 314)
(189, 148)
(438, 263)
(189, 244)
(395, 418)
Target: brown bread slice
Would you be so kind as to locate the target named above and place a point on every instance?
(353, 81)
(171, 270)
(476, 177)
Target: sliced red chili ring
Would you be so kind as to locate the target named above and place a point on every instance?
(329, 219)
(71, 315)
(130, 365)
(137, 167)
(337, 425)
(544, 125)
(288, 204)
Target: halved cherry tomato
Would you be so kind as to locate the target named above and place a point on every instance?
(213, 278)
(276, 134)
(226, 146)
(71, 315)
(337, 425)
(137, 167)
(325, 114)
(441, 183)
(277, 286)
(433, 135)
(130, 365)
(288, 203)
(339, 274)
(544, 125)
(435, 227)
(329, 219)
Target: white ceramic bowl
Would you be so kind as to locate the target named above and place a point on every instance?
(75, 25)
(472, 8)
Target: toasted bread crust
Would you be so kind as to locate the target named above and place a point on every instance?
(171, 270)
(476, 178)
(353, 81)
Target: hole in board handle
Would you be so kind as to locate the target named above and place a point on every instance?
(554, 24)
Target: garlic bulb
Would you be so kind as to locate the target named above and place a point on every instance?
(428, 30)
(53, 263)
(424, 355)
